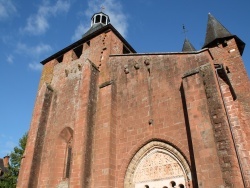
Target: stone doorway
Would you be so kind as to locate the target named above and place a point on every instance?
(157, 165)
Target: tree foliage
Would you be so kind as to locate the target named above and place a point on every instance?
(10, 177)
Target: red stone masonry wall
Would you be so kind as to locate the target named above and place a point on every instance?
(238, 109)
(113, 105)
(205, 153)
(27, 161)
(150, 93)
(74, 84)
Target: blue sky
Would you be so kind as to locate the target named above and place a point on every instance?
(30, 31)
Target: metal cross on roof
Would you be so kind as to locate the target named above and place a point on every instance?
(102, 8)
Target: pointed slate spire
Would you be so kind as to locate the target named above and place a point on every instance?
(216, 32)
(187, 46)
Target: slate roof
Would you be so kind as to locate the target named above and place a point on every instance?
(187, 46)
(93, 28)
(86, 38)
(216, 32)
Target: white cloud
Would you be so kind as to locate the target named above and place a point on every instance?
(10, 59)
(35, 66)
(7, 9)
(80, 30)
(42, 48)
(38, 24)
(113, 8)
(33, 51)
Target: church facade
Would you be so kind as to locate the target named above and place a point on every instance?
(106, 116)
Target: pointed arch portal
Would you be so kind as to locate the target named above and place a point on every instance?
(157, 164)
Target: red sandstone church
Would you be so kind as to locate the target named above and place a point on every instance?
(108, 117)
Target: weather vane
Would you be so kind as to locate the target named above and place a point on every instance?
(184, 30)
(102, 8)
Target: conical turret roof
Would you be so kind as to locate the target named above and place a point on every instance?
(187, 46)
(216, 32)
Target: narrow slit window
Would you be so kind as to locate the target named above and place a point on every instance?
(125, 50)
(68, 163)
(104, 19)
(97, 19)
(60, 59)
(78, 51)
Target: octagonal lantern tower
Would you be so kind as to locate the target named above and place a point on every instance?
(100, 18)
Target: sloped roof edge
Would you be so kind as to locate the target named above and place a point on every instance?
(87, 38)
(161, 53)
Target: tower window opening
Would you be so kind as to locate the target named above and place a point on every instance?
(68, 162)
(97, 19)
(78, 51)
(100, 18)
(125, 50)
(224, 43)
(104, 19)
(60, 59)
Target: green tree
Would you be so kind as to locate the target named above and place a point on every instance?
(10, 178)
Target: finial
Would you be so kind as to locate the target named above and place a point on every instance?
(102, 8)
(184, 30)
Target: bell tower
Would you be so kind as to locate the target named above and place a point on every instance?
(69, 108)
(100, 18)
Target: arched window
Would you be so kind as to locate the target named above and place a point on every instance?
(104, 19)
(63, 153)
(68, 160)
(97, 19)
(100, 18)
